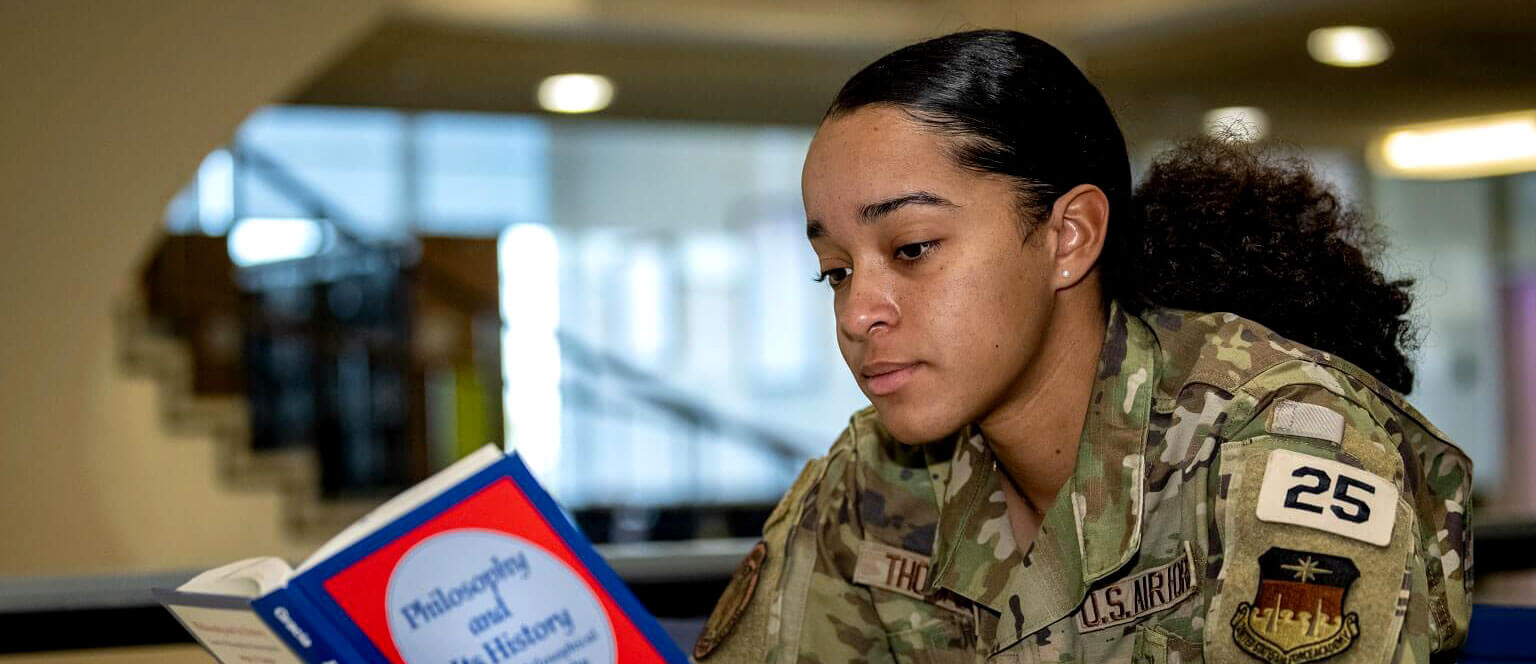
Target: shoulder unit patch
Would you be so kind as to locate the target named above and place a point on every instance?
(733, 602)
(1298, 614)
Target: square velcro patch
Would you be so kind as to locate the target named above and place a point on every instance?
(1294, 418)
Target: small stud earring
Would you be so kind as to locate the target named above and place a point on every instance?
(1066, 273)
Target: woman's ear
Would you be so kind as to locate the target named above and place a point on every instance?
(1082, 217)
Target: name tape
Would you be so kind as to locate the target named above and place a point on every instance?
(893, 569)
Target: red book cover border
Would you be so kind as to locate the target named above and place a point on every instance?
(492, 499)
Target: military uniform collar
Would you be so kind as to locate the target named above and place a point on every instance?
(1090, 531)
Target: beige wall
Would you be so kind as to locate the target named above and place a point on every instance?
(105, 110)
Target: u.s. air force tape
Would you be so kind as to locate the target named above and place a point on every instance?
(1139, 594)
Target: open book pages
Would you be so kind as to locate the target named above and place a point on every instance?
(405, 502)
(252, 577)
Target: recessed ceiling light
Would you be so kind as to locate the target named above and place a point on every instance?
(1237, 123)
(1463, 148)
(575, 93)
(1349, 46)
(254, 241)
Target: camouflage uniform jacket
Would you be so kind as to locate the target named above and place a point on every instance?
(1237, 497)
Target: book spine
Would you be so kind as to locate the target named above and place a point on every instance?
(305, 631)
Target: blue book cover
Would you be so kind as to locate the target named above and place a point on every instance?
(278, 627)
(476, 565)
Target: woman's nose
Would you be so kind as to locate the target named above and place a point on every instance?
(870, 307)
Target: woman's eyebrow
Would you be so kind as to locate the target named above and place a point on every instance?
(873, 212)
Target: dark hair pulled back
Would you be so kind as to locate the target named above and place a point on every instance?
(1216, 225)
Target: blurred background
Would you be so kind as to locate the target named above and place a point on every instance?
(265, 264)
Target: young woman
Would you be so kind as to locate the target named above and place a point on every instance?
(1106, 426)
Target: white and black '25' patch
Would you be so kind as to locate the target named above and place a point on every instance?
(1310, 491)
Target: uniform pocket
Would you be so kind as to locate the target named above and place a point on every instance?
(940, 643)
(923, 631)
(1156, 646)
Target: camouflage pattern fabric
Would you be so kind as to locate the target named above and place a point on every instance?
(1154, 550)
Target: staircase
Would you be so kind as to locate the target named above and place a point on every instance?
(199, 397)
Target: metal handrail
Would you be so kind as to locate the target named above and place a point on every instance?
(297, 191)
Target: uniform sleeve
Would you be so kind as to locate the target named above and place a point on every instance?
(789, 600)
(1324, 517)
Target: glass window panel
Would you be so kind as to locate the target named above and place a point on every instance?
(349, 157)
(782, 352)
(1458, 378)
(260, 198)
(481, 172)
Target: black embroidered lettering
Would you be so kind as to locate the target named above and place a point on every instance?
(1116, 605)
(1157, 589)
(1180, 578)
(892, 569)
(1091, 615)
(907, 577)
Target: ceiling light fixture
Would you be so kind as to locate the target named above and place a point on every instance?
(575, 93)
(1463, 148)
(1349, 46)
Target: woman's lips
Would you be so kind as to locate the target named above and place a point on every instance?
(886, 379)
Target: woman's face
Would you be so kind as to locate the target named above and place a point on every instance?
(941, 304)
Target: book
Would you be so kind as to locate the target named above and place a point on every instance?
(475, 565)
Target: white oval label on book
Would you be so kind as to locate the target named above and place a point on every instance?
(1311, 491)
(484, 597)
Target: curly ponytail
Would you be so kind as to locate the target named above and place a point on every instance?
(1217, 225)
(1220, 225)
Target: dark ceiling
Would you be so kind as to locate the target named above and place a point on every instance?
(1451, 59)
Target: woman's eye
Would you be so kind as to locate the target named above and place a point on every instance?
(834, 276)
(916, 250)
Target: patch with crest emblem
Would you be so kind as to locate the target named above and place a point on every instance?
(1298, 613)
(733, 602)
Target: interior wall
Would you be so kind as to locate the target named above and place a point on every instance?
(108, 108)
(1443, 234)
